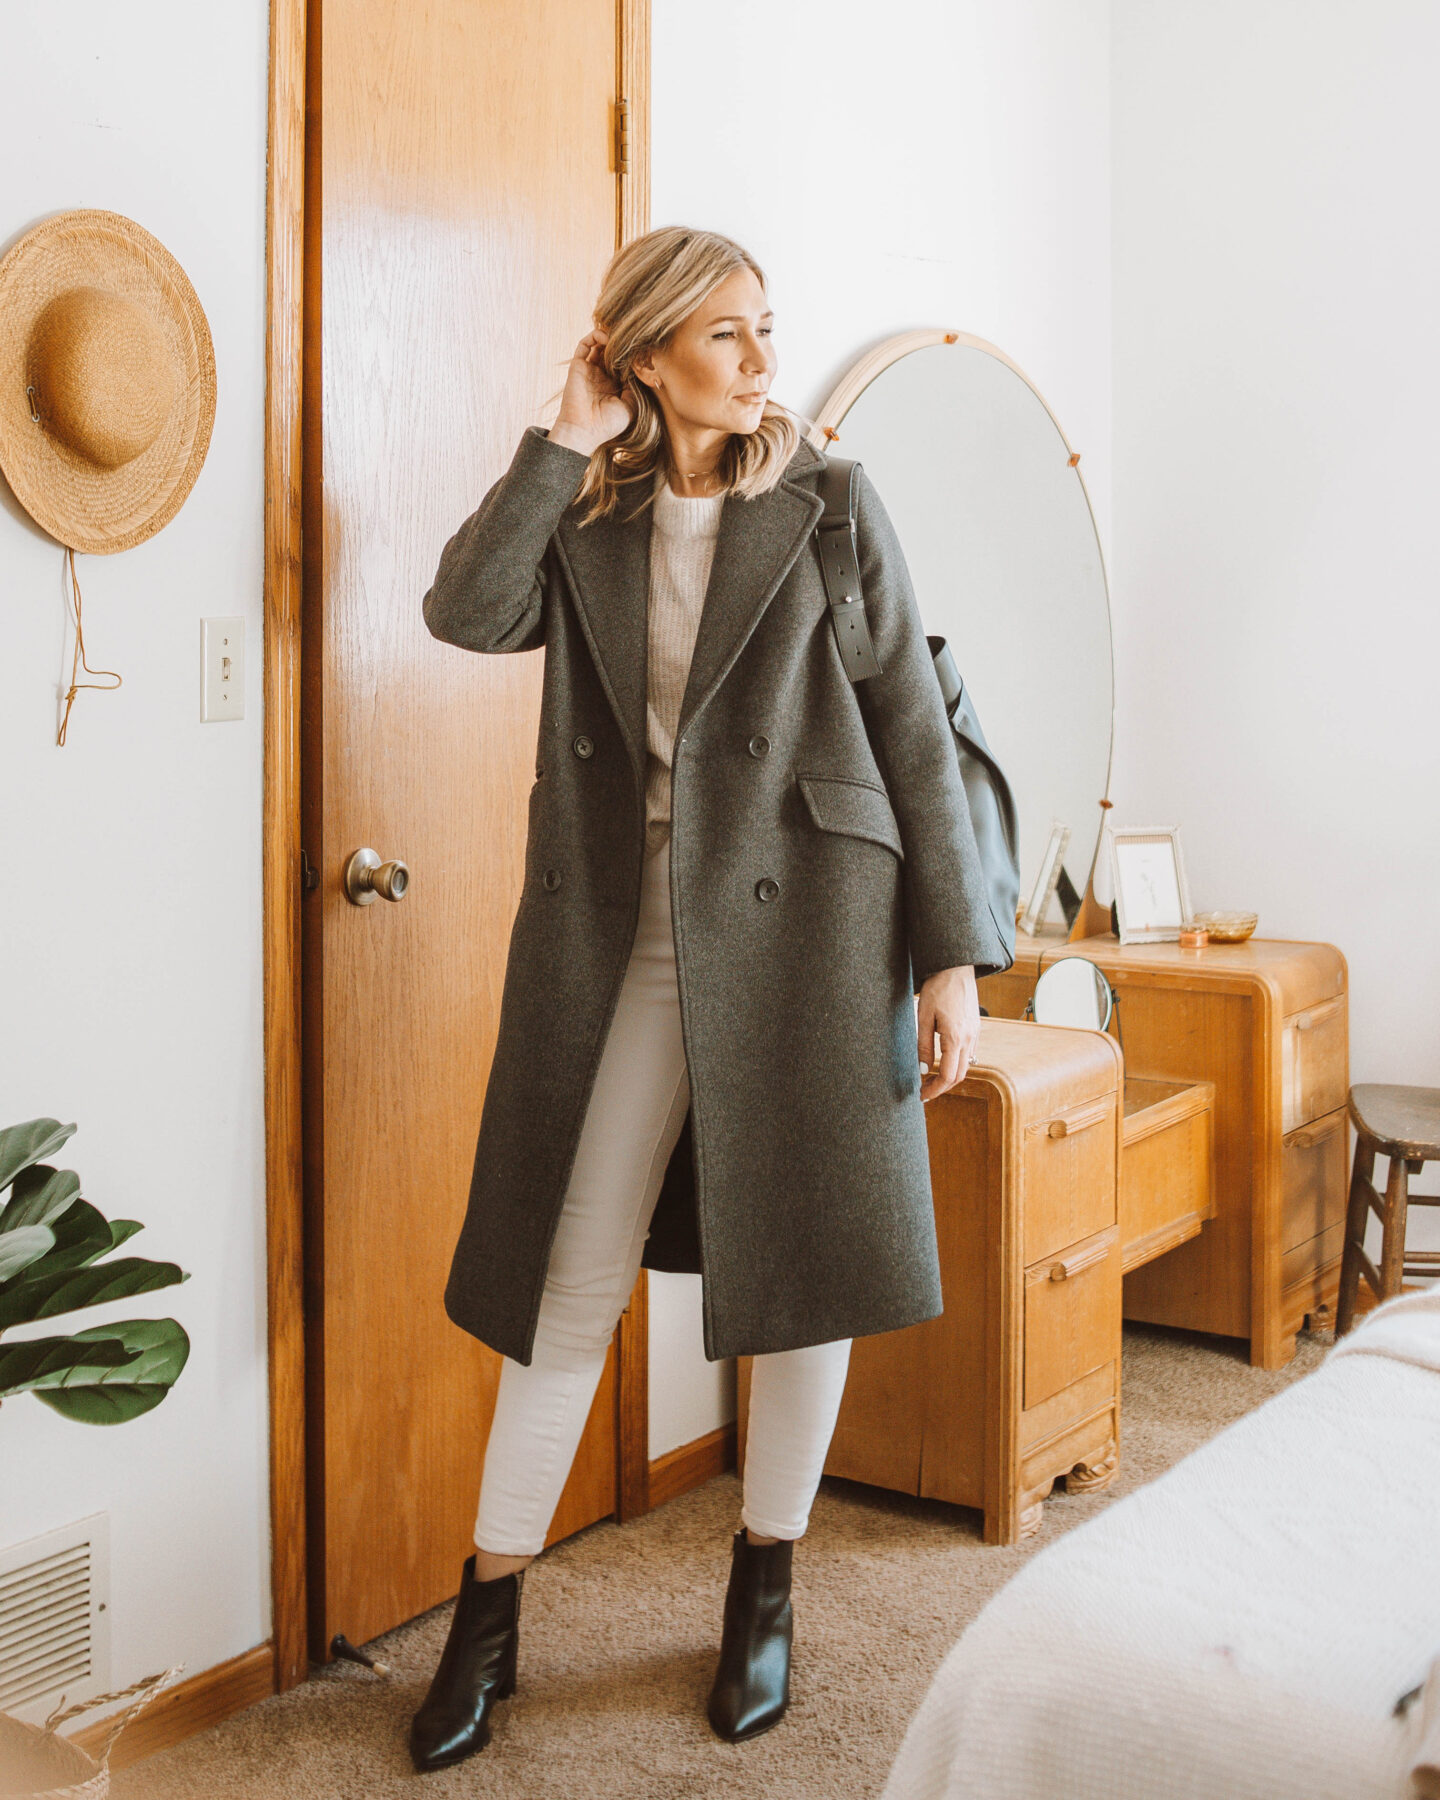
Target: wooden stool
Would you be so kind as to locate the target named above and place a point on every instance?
(1402, 1123)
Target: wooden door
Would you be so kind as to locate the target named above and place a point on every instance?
(461, 203)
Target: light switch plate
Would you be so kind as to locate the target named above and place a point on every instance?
(222, 666)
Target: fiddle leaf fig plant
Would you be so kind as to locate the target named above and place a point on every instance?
(51, 1246)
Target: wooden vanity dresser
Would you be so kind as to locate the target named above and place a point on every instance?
(1205, 1170)
(1267, 1023)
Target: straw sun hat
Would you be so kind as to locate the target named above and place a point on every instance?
(107, 380)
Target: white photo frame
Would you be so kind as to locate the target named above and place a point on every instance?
(1152, 898)
(1047, 880)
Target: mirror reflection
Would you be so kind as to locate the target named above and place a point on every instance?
(996, 525)
(1073, 992)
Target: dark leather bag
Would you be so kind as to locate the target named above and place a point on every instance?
(992, 803)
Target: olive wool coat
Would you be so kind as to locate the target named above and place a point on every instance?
(822, 865)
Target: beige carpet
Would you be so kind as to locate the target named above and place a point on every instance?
(619, 1629)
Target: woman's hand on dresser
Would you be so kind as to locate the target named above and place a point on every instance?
(592, 408)
(949, 1008)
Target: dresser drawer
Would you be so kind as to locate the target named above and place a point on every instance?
(1304, 1262)
(1316, 1169)
(1072, 1314)
(1070, 1175)
(1167, 1184)
(1314, 1063)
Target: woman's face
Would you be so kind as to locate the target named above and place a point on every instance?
(716, 371)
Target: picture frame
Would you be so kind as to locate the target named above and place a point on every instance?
(1152, 897)
(1051, 866)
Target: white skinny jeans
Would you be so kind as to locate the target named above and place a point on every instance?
(636, 1113)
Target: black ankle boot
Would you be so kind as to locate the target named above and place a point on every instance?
(752, 1683)
(477, 1668)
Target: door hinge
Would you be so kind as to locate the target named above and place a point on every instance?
(622, 137)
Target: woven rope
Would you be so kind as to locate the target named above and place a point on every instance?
(146, 1689)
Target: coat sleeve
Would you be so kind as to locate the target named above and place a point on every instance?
(948, 909)
(487, 592)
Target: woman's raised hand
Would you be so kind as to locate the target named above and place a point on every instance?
(592, 408)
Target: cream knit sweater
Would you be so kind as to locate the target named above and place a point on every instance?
(682, 547)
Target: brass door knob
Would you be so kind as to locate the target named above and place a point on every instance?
(368, 879)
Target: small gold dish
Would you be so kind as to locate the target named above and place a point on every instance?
(1227, 927)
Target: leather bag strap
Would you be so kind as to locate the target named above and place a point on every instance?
(840, 565)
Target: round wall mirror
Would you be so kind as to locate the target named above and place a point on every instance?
(1073, 992)
(986, 496)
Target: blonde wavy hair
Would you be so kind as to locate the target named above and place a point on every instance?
(651, 287)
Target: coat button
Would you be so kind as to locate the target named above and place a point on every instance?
(583, 746)
(759, 745)
(551, 879)
(766, 888)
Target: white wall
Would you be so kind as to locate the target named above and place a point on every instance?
(937, 162)
(130, 917)
(1277, 461)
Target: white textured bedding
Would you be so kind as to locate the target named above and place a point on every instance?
(1240, 1629)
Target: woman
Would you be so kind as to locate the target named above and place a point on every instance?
(739, 870)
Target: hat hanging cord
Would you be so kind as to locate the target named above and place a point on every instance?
(78, 662)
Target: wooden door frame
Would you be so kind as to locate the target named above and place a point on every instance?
(280, 829)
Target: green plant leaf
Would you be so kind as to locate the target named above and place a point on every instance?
(46, 1362)
(39, 1197)
(43, 1296)
(21, 1145)
(81, 1235)
(120, 1229)
(112, 1396)
(19, 1249)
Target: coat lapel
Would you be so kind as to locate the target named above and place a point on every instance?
(609, 567)
(759, 541)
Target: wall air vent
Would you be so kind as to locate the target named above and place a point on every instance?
(54, 1619)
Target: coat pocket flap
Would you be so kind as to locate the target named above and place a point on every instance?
(853, 807)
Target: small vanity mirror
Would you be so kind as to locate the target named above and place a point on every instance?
(986, 497)
(1073, 992)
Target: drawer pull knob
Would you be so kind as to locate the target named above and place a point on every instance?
(1310, 1135)
(1088, 1259)
(1068, 1126)
(1318, 1015)
(1087, 1256)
